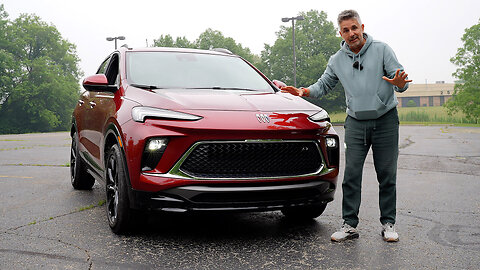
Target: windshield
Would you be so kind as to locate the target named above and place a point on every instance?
(192, 70)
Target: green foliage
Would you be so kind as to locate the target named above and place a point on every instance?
(8, 66)
(167, 41)
(38, 76)
(436, 114)
(425, 115)
(466, 97)
(315, 42)
(411, 103)
(207, 40)
(215, 39)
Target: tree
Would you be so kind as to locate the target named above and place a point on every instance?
(411, 103)
(7, 63)
(208, 40)
(40, 79)
(467, 94)
(215, 39)
(167, 41)
(316, 41)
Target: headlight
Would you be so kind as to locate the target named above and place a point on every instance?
(140, 113)
(320, 116)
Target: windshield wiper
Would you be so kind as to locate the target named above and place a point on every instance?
(145, 86)
(151, 87)
(223, 88)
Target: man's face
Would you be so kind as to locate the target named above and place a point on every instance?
(352, 32)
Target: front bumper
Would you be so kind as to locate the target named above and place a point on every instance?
(235, 197)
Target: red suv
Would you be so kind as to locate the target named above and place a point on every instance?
(179, 130)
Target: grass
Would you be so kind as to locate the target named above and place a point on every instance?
(100, 203)
(421, 116)
(39, 165)
(16, 148)
(30, 147)
(84, 208)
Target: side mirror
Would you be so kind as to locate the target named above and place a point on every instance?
(98, 83)
(279, 84)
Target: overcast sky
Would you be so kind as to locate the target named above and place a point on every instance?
(424, 34)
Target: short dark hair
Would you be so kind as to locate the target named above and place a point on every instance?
(347, 15)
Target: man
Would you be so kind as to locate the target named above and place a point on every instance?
(369, 72)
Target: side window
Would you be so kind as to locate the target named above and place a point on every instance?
(112, 70)
(103, 66)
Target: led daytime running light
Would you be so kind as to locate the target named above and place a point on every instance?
(320, 116)
(139, 114)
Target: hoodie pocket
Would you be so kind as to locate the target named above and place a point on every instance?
(366, 107)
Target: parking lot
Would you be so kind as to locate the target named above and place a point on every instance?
(45, 223)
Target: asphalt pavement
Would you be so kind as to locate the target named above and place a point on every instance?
(46, 224)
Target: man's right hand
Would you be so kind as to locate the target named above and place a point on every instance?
(295, 91)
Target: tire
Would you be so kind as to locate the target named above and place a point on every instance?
(79, 176)
(304, 212)
(119, 214)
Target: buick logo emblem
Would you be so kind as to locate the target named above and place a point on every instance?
(262, 118)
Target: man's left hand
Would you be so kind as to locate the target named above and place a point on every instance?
(399, 80)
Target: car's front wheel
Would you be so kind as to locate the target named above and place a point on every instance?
(79, 176)
(304, 212)
(118, 208)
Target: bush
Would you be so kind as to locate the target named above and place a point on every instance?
(411, 103)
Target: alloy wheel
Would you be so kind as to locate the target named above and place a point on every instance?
(112, 189)
(73, 159)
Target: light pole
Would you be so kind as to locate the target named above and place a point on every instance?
(298, 18)
(115, 38)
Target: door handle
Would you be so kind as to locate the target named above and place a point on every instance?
(80, 102)
(92, 104)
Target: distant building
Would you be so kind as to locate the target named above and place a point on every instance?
(426, 95)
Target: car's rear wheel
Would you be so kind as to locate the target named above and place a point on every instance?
(304, 212)
(118, 207)
(79, 176)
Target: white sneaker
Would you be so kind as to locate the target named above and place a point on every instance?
(345, 233)
(388, 232)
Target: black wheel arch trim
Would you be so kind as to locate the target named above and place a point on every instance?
(113, 130)
(73, 127)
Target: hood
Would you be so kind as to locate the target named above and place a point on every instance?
(345, 48)
(223, 100)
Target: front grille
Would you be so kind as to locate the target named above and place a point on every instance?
(252, 159)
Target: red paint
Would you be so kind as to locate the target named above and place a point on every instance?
(227, 115)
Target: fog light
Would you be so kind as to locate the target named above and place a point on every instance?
(331, 142)
(158, 144)
(153, 152)
(333, 151)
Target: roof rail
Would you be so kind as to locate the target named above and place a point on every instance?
(222, 50)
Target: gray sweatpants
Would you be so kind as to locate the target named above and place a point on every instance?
(382, 136)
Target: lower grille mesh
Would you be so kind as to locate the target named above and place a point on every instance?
(252, 159)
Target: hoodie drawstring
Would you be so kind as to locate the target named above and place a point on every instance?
(358, 67)
(359, 62)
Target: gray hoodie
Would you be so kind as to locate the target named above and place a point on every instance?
(367, 95)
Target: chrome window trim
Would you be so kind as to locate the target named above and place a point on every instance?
(175, 172)
(105, 96)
